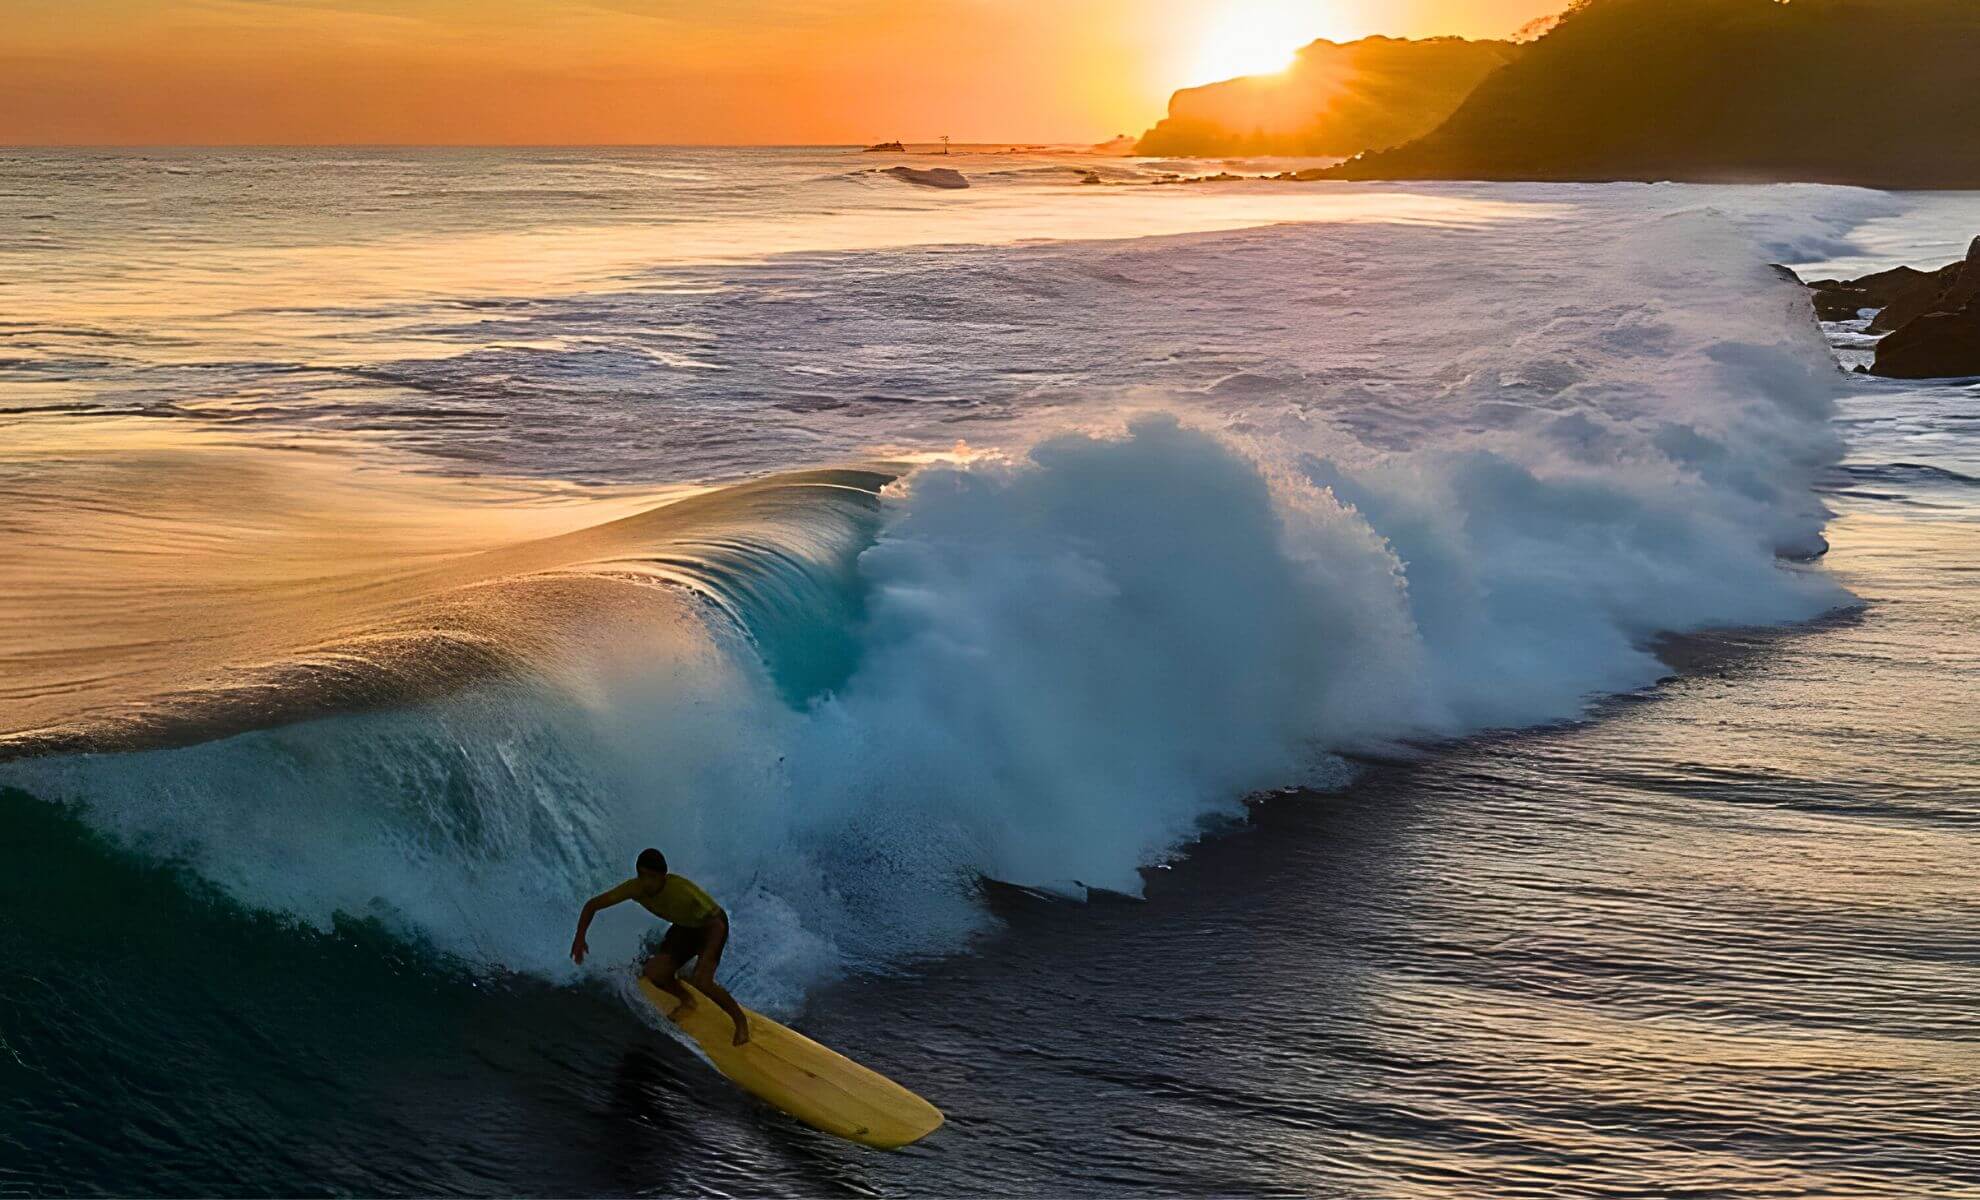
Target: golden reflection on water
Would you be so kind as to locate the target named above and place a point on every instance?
(1731, 914)
(136, 558)
(195, 301)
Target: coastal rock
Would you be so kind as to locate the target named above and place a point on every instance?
(935, 177)
(1925, 295)
(1930, 319)
(1934, 324)
(1938, 345)
(1965, 286)
(1842, 299)
(1885, 286)
(1838, 302)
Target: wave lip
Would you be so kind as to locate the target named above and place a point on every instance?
(758, 557)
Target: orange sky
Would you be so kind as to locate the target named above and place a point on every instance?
(651, 71)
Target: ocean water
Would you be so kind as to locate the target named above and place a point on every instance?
(1443, 690)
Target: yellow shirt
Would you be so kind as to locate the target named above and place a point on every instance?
(677, 900)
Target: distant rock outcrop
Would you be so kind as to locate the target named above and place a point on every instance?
(1883, 94)
(1918, 297)
(1335, 100)
(1943, 340)
(1933, 316)
(1843, 299)
(935, 177)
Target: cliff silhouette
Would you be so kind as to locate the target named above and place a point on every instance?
(1336, 99)
(1880, 93)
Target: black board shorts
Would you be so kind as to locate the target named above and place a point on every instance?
(681, 943)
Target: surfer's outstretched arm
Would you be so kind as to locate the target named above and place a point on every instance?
(592, 908)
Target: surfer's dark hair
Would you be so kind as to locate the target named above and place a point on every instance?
(652, 860)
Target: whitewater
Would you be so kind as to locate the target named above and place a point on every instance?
(1126, 532)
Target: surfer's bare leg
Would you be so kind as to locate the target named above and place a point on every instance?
(704, 977)
(659, 971)
(720, 995)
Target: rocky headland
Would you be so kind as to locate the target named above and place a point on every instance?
(1337, 99)
(1883, 94)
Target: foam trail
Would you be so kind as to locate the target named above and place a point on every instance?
(1057, 664)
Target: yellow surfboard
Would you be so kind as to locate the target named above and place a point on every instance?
(819, 1086)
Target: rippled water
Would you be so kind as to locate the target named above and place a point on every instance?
(344, 491)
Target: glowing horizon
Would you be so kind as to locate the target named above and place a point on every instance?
(758, 72)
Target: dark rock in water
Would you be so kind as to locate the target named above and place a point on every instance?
(935, 177)
(1838, 302)
(1948, 289)
(1938, 345)
(1965, 288)
(1885, 286)
(1923, 296)
(1842, 299)
(1935, 336)
(885, 148)
(1931, 319)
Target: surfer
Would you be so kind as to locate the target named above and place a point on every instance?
(697, 930)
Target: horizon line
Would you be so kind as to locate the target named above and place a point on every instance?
(1016, 142)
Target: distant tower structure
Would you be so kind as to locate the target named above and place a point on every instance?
(945, 143)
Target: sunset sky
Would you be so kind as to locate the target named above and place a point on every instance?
(712, 71)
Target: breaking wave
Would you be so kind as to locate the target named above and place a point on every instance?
(841, 699)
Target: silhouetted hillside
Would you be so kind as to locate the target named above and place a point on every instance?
(1878, 92)
(1336, 99)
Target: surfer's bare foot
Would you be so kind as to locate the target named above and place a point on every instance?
(681, 1011)
(742, 1033)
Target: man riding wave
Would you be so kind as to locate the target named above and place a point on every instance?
(697, 931)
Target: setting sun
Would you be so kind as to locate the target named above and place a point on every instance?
(660, 72)
(1258, 38)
